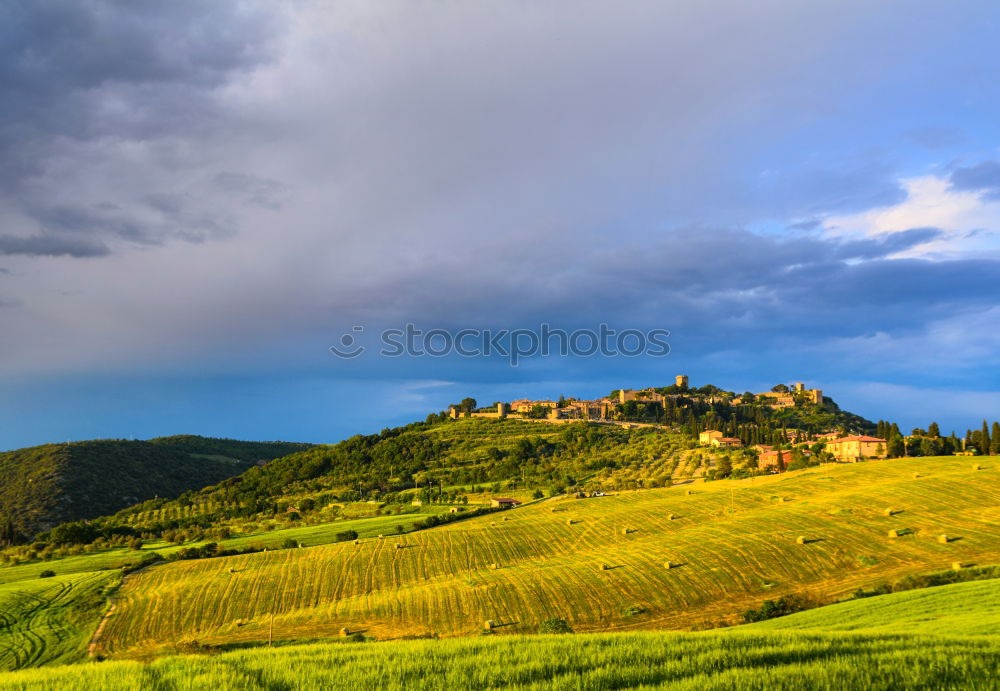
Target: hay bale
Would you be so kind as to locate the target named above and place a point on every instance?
(976, 466)
(625, 531)
(668, 564)
(489, 624)
(670, 517)
(506, 518)
(345, 632)
(800, 540)
(357, 542)
(893, 533)
(604, 567)
(494, 566)
(888, 512)
(399, 545)
(381, 537)
(569, 521)
(943, 539)
(916, 475)
(689, 492)
(956, 566)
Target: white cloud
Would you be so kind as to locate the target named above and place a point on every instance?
(969, 221)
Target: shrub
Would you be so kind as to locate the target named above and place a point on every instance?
(787, 604)
(555, 625)
(347, 536)
(47, 573)
(289, 543)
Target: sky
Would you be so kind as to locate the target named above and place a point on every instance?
(197, 201)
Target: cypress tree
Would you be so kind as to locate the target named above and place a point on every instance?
(984, 438)
(933, 430)
(995, 442)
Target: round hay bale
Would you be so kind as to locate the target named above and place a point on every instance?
(399, 545)
(689, 492)
(494, 566)
(888, 512)
(569, 521)
(916, 475)
(668, 565)
(893, 533)
(956, 566)
(381, 537)
(800, 540)
(506, 518)
(345, 632)
(670, 517)
(943, 539)
(604, 567)
(489, 624)
(357, 542)
(976, 466)
(625, 531)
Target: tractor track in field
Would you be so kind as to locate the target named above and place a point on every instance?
(95, 640)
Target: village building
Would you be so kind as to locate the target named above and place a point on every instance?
(856, 448)
(780, 399)
(504, 503)
(643, 396)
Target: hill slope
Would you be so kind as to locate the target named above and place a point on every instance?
(42, 486)
(733, 544)
(967, 609)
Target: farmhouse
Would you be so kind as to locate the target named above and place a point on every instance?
(504, 503)
(856, 448)
(709, 436)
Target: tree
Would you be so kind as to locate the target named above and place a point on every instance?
(538, 494)
(467, 405)
(561, 403)
(995, 442)
(779, 388)
(933, 430)
(724, 467)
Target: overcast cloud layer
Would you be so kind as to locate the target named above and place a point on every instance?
(196, 200)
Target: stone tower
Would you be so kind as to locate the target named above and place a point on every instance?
(681, 380)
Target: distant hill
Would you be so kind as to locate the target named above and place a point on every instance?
(43, 486)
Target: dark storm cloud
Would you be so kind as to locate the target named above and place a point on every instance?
(982, 177)
(83, 81)
(45, 245)
(888, 244)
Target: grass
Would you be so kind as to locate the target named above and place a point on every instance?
(959, 609)
(50, 620)
(697, 662)
(734, 547)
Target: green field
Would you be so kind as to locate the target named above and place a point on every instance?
(699, 662)
(50, 620)
(969, 609)
(733, 544)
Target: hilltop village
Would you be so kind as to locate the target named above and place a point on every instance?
(788, 424)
